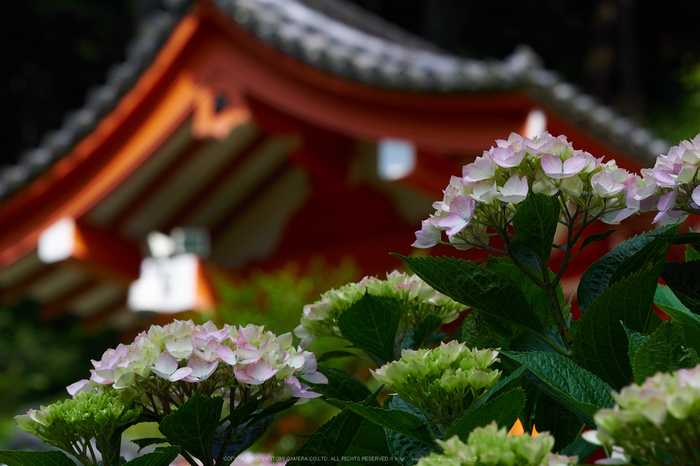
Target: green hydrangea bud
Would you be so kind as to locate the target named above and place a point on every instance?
(436, 381)
(71, 424)
(490, 445)
(654, 421)
(417, 300)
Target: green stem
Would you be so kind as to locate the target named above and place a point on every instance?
(550, 292)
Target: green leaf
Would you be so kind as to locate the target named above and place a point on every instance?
(470, 335)
(691, 254)
(601, 343)
(425, 328)
(370, 441)
(193, 425)
(478, 287)
(628, 257)
(371, 324)
(558, 420)
(330, 442)
(664, 351)
(530, 342)
(594, 238)
(503, 409)
(684, 279)
(145, 442)
(671, 305)
(535, 223)
(635, 341)
(161, 457)
(335, 355)
(580, 448)
(566, 382)
(534, 295)
(35, 458)
(341, 386)
(400, 421)
(242, 438)
(506, 384)
(402, 447)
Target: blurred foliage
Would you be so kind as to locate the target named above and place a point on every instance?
(38, 359)
(276, 299)
(682, 119)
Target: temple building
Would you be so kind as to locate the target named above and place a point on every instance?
(283, 129)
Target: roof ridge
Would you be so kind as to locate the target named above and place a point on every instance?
(325, 42)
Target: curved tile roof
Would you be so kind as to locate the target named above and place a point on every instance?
(337, 40)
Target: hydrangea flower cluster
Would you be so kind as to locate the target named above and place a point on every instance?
(166, 365)
(442, 382)
(418, 300)
(661, 414)
(490, 445)
(487, 194)
(71, 425)
(672, 185)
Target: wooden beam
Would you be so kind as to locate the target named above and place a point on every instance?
(100, 253)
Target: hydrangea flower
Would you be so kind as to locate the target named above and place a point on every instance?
(672, 185)
(173, 361)
(660, 414)
(443, 382)
(418, 300)
(482, 202)
(72, 424)
(490, 445)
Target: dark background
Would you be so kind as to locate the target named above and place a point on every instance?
(639, 56)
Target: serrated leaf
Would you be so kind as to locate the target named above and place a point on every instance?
(535, 223)
(470, 335)
(341, 386)
(193, 425)
(566, 382)
(691, 254)
(400, 421)
(562, 423)
(35, 458)
(628, 257)
(330, 441)
(161, 457)
(684, 279)
(594, 238)
(503, 409)
(635, 340)
(664, 351)
(478, 287)
(534, 295)
(671, 305)
(403, 448)
(601, 344)
(371, 324)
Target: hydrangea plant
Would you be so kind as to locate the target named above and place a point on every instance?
(444, 382)
(490, 445)
(517, 355)
(416, 301)
(76, 424)
(656, 422)
(671, 186)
